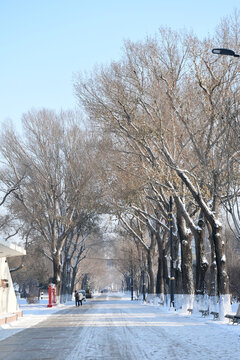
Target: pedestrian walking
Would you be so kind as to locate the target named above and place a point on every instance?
(76, 295)
(80, 299)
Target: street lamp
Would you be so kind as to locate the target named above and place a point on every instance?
(227, 52)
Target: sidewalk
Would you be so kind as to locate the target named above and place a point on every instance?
(28, 315)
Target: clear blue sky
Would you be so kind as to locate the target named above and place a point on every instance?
(44, 42)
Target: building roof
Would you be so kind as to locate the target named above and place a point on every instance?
(8, 249)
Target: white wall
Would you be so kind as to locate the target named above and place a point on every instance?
(8, 300)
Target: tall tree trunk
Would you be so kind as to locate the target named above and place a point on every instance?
(73, 278)
(165, 272)
(216, 234)
(141, 257)
(213, 265)
(57, 272)
(222, 277)
(186, 253)
(68, 285)
(201, 261)
(160, 272)
(63, 282)
(177, 271)
(216, 230)
(150, 256)
(151, 283)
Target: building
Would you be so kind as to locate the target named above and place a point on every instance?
(9, 309)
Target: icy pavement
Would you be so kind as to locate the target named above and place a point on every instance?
(113, 327)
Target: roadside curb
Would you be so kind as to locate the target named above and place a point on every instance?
(7, 318)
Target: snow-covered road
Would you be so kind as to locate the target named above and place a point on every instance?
(118, 329)
(111, 327)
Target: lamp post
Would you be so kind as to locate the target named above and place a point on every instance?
(227, 52)
(170, 220)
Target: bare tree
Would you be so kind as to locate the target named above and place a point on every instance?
(168, 99)
(59, 186)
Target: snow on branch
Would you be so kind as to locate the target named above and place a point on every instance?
(147, 215)
(130, 229)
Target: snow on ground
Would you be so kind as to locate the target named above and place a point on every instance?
(130, 330)
(145, 330)
(32, 315)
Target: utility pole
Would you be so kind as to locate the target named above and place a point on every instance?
(170, 220)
